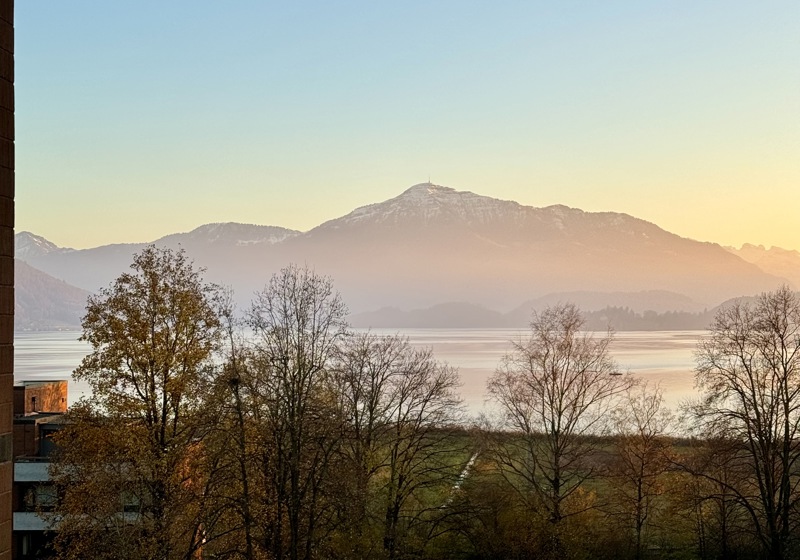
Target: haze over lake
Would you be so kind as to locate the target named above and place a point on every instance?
(662, 356)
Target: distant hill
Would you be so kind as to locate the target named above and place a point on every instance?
(433, 244)
(462, 315)
(45, 303)
(458, 315)
(623, 307)
(444, 315)
(624, 319)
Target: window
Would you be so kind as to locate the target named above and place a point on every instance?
(41, 497)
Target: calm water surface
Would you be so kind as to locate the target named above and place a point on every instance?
(663, 356)
(666, 357)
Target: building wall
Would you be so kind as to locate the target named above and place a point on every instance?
(26, 439)
(6, 269)
(40, 396)
(50, 402)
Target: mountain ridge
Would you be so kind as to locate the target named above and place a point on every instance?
(432, 244)
(775, 260)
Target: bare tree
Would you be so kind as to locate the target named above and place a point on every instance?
(234, 486)
(722, 526)
(748, 368)
(399, 404)
(555, 388)
(364, 374)
(298, 320)
(420, 451)
(642, 456)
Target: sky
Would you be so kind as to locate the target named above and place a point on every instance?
(139, 119)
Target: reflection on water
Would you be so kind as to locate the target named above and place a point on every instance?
(663, 356)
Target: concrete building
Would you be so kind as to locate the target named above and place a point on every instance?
(38, 413)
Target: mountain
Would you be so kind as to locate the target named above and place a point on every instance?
(229, 234)
(777, 261)
(426, 205)
(216, 246)
(43, 302)
(434, 244)
(29, 246)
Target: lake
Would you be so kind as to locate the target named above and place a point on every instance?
(661, 356)
(665, 357)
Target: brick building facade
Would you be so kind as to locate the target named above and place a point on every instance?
(6, 271)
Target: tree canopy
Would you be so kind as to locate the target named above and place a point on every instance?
(153, 334)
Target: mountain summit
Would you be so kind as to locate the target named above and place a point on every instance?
(427, 203)
(230, 234)
(437, 207)
(28, 246)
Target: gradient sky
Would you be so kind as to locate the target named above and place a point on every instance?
(139, 119)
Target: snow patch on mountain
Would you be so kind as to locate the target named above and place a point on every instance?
(430, 203)
(28, 246)
(234, 234)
